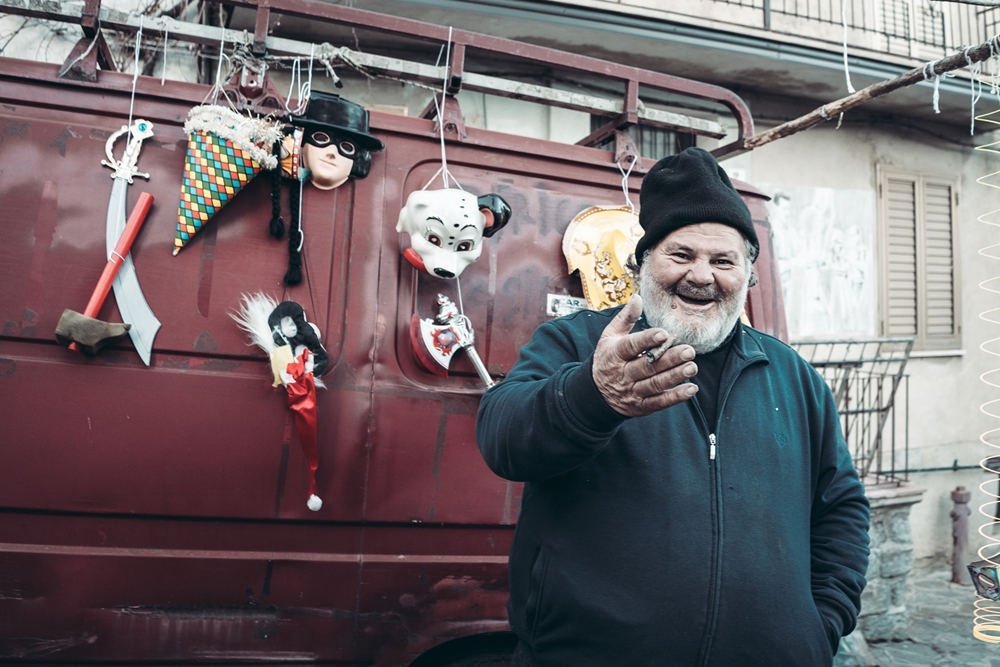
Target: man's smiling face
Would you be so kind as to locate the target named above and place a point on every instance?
(694, 283)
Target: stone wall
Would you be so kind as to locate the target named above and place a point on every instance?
(883, 604)
(884, 616)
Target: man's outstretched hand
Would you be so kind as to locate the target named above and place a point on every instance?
(630, 384)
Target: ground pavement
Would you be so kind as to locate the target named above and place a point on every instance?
(940, 628)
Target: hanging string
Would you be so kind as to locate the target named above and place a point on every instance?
(296, 77)
(135, 77)
(461, 307)
(443, 171)
(625, 175)
(302, 234)
(847, 72)
(217, 87)
(163, 72)
(928, 71)
(301, 90)
(975, 69)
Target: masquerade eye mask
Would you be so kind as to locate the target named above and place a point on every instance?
(321, 139)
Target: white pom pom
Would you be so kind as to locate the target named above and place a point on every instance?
(314, 503)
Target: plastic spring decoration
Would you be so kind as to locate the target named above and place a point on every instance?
(985, 572)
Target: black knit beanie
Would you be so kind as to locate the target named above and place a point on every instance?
(686, 189)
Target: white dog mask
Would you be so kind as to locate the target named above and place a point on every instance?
(447, 227)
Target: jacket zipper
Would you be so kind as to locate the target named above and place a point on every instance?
(717, 498)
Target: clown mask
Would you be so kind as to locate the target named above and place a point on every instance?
(447, 227)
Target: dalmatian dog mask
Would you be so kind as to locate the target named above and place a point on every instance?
(447, 228)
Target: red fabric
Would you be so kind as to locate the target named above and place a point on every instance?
(302, 401)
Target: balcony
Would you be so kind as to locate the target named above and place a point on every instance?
(918, 29)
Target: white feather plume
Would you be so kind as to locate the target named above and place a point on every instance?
(252, 318)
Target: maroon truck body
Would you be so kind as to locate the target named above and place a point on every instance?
(158, 514)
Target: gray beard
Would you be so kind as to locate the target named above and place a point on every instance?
(704, 334)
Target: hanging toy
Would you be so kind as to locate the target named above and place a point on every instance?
(225, 151)
(598, 243)
(447, 227)
(297, 360)
(436, 341)
(326, 146)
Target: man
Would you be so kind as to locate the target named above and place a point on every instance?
(695, 506)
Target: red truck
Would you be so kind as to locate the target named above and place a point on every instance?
(157, 514)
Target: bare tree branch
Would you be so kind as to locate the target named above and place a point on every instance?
(981, 3)
(966, 57)
(14, 33)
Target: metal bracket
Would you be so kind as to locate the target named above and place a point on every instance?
(82, 62)
(250, 89)
(260, 29)
(90, 17)
(456, 69)
(451, 115)
(626, 152)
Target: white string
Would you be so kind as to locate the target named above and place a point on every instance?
(302, 234)
(304, 95)
(296, 76)
(975, 69)
(625, 175)
(302, 90)
(843, 19)
(163, 72)
(135, 78)
(443, 171)
(928, 70)
(218, 71)
(86, 53)
(461, 308)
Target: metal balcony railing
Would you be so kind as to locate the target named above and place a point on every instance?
(871, 390)
(897, 26)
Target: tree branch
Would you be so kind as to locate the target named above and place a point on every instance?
(827, 111)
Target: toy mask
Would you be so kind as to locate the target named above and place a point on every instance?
(447, 227)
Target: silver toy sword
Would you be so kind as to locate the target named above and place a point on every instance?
(131, 302)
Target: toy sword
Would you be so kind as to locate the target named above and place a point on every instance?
(436, 341)
(131, 302)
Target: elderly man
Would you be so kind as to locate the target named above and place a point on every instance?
(690, 499)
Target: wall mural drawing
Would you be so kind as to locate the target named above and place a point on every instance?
(825, 244)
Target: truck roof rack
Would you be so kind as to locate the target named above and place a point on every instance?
(453, 77)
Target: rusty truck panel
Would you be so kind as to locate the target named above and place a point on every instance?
(158, 513)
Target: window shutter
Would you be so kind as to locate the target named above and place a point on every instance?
(939, 261)
(901, 257)
(919, 283)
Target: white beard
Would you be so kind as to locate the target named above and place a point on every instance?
(708, 330)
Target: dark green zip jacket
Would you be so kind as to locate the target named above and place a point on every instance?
(663, 540)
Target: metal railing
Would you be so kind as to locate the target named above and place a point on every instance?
(871, 391)
(889, 25)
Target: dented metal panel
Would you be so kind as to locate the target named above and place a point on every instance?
(158, 514)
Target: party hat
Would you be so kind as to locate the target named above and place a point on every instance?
(225, 151)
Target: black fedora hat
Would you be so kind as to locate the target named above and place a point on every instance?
(335, 114)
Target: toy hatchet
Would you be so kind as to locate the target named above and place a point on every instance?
(436, 341)
(83, 331)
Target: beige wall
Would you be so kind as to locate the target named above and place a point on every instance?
(945, 391)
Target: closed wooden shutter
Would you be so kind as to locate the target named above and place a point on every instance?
(919, 284)
(940, 270)
(901, 255)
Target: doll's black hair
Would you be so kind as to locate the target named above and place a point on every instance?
(360, 169)
(305, 334)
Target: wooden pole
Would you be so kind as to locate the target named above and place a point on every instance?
(833, 109)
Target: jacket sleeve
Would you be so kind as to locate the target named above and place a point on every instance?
(547, 416)
(840, 517)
